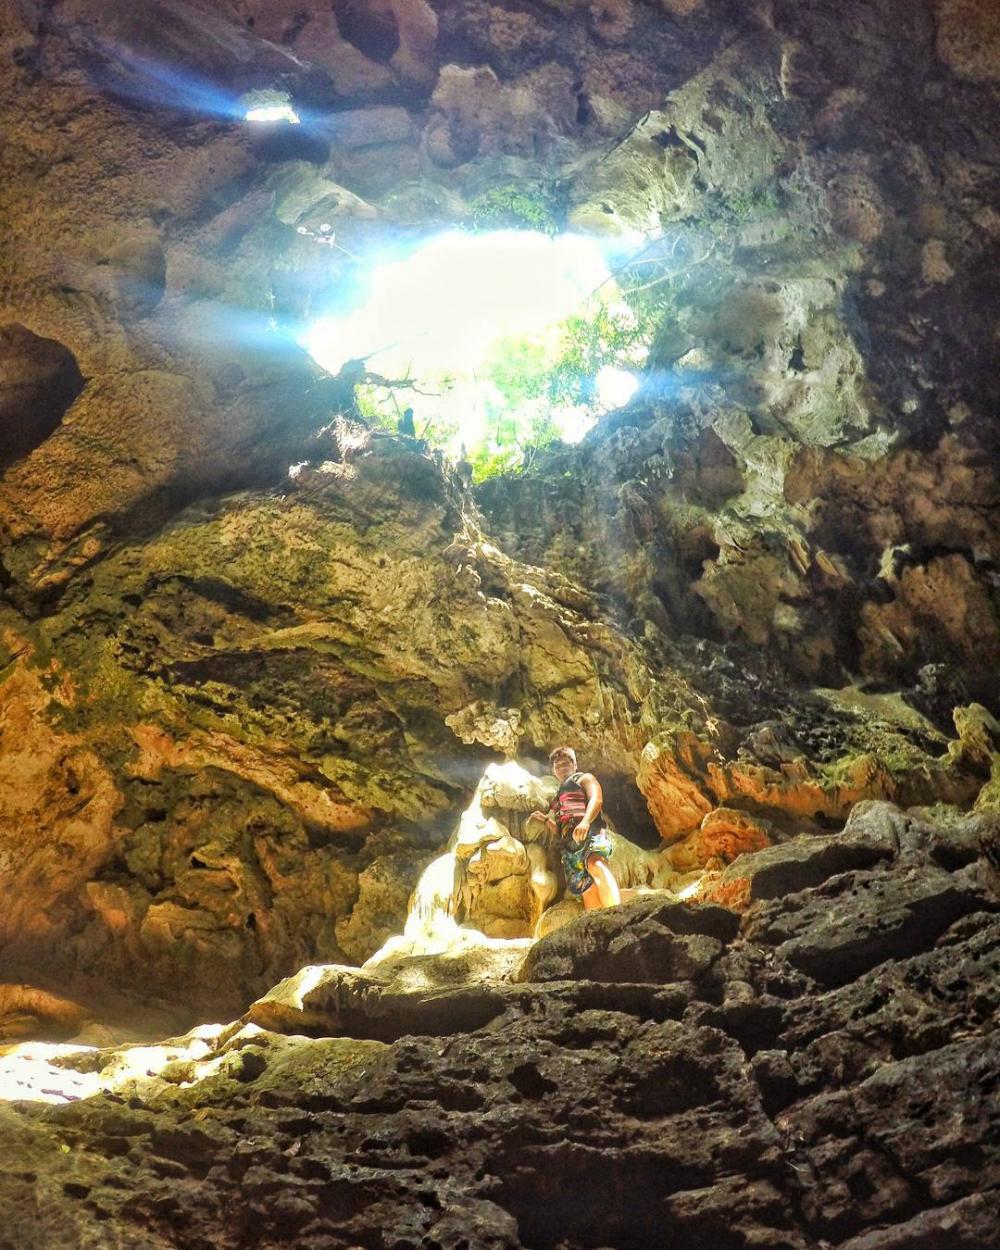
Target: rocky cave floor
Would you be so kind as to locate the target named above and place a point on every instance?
(821, 1073)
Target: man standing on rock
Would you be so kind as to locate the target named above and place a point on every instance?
(583, 841)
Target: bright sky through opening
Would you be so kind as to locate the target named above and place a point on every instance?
(272, 113)
(437, 313)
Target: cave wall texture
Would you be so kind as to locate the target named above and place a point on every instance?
(241, 710)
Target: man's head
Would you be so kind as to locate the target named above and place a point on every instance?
(562, 761)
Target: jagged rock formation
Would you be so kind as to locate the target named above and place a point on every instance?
(815, 1079)
(243, 709)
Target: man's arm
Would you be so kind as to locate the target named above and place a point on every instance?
(546, 817)
(595, 801)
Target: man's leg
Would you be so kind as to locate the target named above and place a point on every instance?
(591, 899)
(605, 887)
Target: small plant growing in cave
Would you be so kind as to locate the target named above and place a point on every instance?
(515, 208)
(756, 202)
(726, 212)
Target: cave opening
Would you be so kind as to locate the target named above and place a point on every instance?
(272, 113)
(267, 105)
(489, 345)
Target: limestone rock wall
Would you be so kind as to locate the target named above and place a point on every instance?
(235, 743)
(232, 747)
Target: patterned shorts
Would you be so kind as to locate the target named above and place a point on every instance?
(574, 858)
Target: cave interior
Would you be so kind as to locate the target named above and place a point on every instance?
(390, 392)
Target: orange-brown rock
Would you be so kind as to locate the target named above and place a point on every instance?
(724, 834)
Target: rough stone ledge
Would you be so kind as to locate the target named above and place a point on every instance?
(917, 1131)
(875, 832)
(858, 921)
(647, 940)
(968, 1224)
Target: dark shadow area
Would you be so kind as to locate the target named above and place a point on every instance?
(565, 1194)
(277, 141)
(371, 26)
(627, 810)
(39, 379)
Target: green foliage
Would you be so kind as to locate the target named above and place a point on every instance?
(529, 385)
(561, 368)
(437, 430)
(517, 436)
(376, 405)
(515, 208)
(588, 344)
(488, 460)
(533, 377)
(756, 202)
(518, 366)
(724, 211)
(380, 407)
